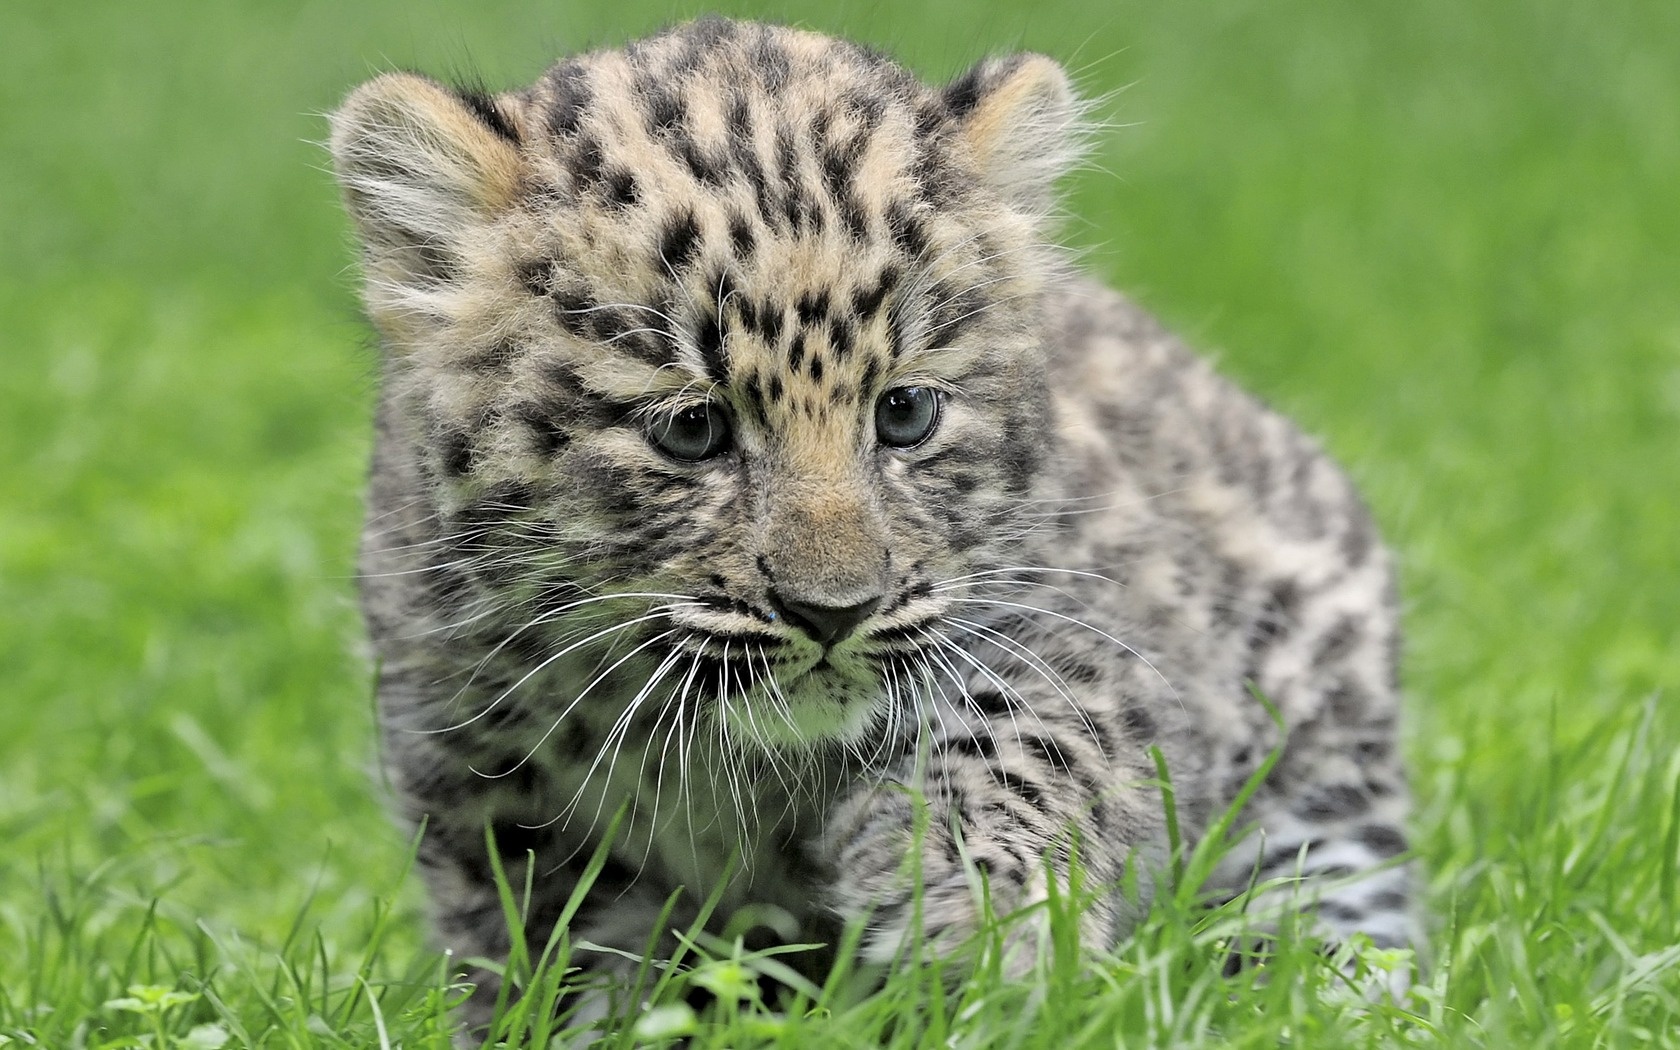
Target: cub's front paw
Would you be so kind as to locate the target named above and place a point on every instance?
(898, 870)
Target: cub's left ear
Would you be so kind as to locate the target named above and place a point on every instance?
(1022, 122)
(422, 169)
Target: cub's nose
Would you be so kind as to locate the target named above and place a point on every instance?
(826, 624)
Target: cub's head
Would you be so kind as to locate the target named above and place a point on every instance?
(739, 323)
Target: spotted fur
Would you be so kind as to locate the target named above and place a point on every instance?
(1101, 548)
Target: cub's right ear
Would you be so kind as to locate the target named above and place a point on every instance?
(421, 167)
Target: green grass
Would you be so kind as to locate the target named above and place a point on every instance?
(1444, 235)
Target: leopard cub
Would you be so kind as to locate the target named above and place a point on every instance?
(761, 499)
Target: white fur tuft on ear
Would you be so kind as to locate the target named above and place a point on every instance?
(420, 167)
(1022, 124)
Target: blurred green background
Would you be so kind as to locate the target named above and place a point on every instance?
(1444, 235)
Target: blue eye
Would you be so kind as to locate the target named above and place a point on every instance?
(906, 415)
(691, 434)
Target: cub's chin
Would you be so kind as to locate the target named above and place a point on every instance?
(837, 700)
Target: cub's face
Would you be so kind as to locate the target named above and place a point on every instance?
(720, 353)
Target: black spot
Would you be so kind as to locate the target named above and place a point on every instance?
(853, 217)
(709, 339)
(871, 371)
(963, 93)
(1139, 722)
(770, 322)
(455, 453)
(537, 275)
(771, 63)
(1028, 790)
(572, 310)
(560, 374)
(739, 120)
(612, 487)
(571, 95)
(752, 394)
(724, 289)
(569, 399)
(908, 232)
(679, 242)
(840, 336)
(484, 107)
(742, 145)
(705, 35)
(1081, 673)
(929, 118)
(813, 306)
(544, 422)
(955, 312)
(745, 310)
(815, 368)
(1331, 802)
(1288, 856)
(903, 632)
(984, 747)
(609, 324)
(1277, 617)
(820, 122)
(787, 161)
(707, 170)
(775, 388)
(495, 358)
(1335, 644)
(587, 162)
(796, 352)
(938, 183)
(867, 300)
(666, 111)
(1344, 914)
(741, 236)
(1052, 754)
(1375, 750)
(837, 170)
(769, 208)
(620, 188)
(1020, 464)
(1046, 749)
(895, 337)
(1383, 840)
(515, 840)
(1347, 701)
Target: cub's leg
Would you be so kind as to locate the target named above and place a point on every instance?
(616, 911)
(1329, 821)
(1017, 781)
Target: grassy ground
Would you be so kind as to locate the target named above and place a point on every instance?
(1445, 235)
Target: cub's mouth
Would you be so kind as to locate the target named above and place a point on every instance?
(829, 698)
(771, 686)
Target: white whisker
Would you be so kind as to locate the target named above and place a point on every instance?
(575, 701)
(1078, 623)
